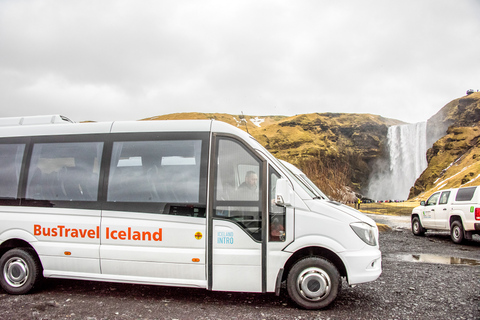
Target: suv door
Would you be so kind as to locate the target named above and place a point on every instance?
(442, 211)
(428, 218)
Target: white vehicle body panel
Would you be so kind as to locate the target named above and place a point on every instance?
(208, 252)
(438, 214)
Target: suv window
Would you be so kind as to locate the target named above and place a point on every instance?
(444, 197)
(433, 199)
(465, 194)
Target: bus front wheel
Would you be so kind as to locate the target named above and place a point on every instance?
(21, 270)
(313, 283)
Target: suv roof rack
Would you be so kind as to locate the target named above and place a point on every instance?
(34, 120)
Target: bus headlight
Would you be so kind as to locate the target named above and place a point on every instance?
(365, 232)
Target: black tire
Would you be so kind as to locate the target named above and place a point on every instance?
(456, 232)
(313, 283)
(417, 228)
(20, 270)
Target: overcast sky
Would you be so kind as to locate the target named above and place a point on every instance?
(127, 60)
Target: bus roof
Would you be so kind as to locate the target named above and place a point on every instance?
(34, 120)
(51, 125)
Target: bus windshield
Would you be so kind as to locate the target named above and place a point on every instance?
(305, 182)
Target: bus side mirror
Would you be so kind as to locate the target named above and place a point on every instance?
(422, 203)
(284, 193)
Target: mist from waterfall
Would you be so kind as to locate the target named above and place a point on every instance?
(392, 178)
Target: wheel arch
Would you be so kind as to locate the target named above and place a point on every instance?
(17, 238)
(15, 243)
(314, 251)
(415, 215)
(455, 217)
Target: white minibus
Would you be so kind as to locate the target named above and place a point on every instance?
(191, 203)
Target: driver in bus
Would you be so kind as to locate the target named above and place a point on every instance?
(248, 189)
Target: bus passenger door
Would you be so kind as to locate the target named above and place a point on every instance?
(236, 224)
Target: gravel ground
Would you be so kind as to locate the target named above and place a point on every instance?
(406, 290)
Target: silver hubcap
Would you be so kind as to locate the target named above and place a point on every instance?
(314, 284)
(15, 272)
(456, 232)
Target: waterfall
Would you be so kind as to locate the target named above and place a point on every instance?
(392, 178)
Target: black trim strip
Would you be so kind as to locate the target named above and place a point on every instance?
(265, 186)
(212, 179)
(22, 183)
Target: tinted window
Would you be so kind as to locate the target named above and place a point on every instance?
(465, 194)
(64, 171)
(238, 187)
(11, 156)
(276, 213)
(156, 171)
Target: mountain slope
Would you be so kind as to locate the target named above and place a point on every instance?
(335, 150)
(454, 160)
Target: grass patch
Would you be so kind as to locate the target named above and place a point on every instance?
(395, 208)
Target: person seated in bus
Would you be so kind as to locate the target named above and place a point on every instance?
(248, 189)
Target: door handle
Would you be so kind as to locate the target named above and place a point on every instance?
(444, 209)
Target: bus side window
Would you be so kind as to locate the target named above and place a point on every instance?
(238, 186)
(158, 171)
(276, 213)
(64, 171)
(11, 156)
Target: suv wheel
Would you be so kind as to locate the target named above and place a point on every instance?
(456, 231)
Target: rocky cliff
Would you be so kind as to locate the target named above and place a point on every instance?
(454, 159)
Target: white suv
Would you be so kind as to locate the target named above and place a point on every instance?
(457, 210)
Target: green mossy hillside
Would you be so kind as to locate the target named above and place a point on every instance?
(454, 159)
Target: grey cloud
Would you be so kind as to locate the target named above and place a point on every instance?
(128, 60)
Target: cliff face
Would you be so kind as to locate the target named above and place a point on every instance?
(335, 150)
(454, 159)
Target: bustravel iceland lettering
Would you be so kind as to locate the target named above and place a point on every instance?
(129, 234)
(133, 235)
(62, 231)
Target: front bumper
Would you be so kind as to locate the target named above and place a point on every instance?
(363, 266)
